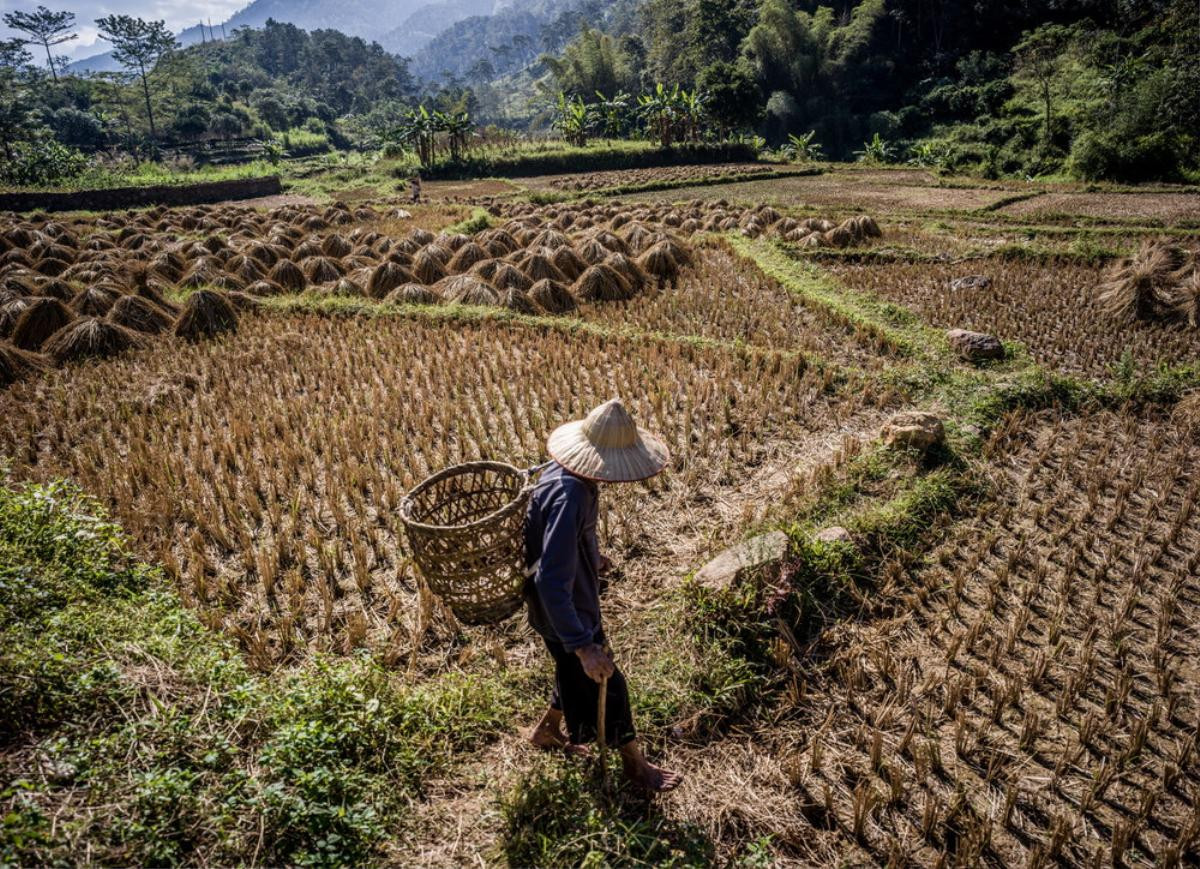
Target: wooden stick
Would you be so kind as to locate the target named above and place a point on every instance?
(600, 735)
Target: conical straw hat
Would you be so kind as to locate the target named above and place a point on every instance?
(608, 446)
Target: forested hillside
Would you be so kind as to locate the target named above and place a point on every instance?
(1106, 87)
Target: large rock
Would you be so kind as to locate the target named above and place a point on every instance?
(975, 346)
(746, 558)
(913, 429)
(971, 282)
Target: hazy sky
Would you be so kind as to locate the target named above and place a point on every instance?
(177, 13)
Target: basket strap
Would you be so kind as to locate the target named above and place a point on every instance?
(537, 469)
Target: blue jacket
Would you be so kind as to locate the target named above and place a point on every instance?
(563, 591)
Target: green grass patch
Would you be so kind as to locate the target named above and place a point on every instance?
(134, 733)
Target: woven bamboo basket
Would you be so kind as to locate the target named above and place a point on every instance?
(465, 529)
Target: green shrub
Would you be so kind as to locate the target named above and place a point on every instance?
(1103, 154)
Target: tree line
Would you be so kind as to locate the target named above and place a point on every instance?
(1102, 88)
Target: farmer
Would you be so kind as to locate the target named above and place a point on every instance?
(564, 589)
(414, 186)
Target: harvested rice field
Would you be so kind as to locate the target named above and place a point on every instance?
(970, 641)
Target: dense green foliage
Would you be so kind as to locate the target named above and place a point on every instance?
(1103, 88)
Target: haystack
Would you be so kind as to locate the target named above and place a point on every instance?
(38, 321)
(385, 277)
(247, 268)
(205, 313)
(466, 256)
(201, 274)
(151, 294)
(91, 338)
(421, 236)
(552, 297)
(659, 262)
(570, 263)
(138, 314)
(592, 251)
(56, 289)
(601, 283)
(1143, 287)
(265, 288)
(517, 300)
(17, 364)
(634, 276)
(499, 237)
(307, 250)
(1186, 299)
(288, 275)
(441, 254)
(538, 266)
(51, 266)
(336, 246)
(552, 239)
(426, 268)
(11, 309)
(509, 277)
(413, 294)
(839, 236)
(485, 269)
(466, 290)
(322, 269)
(345, 288)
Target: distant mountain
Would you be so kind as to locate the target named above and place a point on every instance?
(428, 21)
(366, 18)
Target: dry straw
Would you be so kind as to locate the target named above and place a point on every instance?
(205, 313)
(91, 338)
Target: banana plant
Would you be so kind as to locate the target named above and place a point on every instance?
(660, 110)
(613, 114)
(802, 149)
(459, 132)
(876, 151)
(419, 131)
(572, 118)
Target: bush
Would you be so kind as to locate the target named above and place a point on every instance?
(40, 163)
(1103, 154)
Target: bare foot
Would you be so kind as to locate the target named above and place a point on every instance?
(654, 778)
(548, 736)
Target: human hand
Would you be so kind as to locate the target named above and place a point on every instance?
(596, 662)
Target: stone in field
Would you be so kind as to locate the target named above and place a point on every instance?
(739, 561)
(975, 346)
(971, 282)
(834, 534)
(913, 429)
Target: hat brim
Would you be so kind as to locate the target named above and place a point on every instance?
(645, 458)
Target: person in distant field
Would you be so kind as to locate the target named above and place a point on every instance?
(564, 565)
(414, 186)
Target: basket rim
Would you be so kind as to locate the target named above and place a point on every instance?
(406, 502)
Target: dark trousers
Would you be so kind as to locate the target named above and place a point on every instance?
(578, 696)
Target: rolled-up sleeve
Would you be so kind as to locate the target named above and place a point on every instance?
(555, 578)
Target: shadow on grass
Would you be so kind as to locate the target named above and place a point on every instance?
(556, 814)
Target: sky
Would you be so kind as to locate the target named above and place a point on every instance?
(178, 14)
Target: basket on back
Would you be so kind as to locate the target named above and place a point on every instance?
(466, 529)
